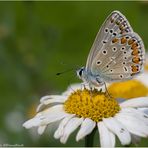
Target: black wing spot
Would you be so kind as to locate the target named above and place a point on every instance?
(104, 52)
(114, 49)
(104, 41)
(111, 70)
(125, 68)
(121, 76)
(114, 34)
(111, 31)
(98, 62)
(106, 30)
(122, 48)
(107, 66)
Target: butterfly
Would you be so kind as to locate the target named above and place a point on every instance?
(117, 53)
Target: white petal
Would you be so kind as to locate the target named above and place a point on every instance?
(144, 110)
(86, 128)
(136, 102)
(59, 132)
(46, 98)
(47, 116)
(107, 138)
(32, 122)
(39, 107)
(41, 129)
(71, 126)
(133, 124)
(118, 129)
(55, 100)
(136, 113)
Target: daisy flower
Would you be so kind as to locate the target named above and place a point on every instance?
(144, 76)
(90, 111)
(128, 89)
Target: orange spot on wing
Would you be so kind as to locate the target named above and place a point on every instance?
(136, 60)
(135, 51)
(135, 68)
(115, 40)
(130, 41)
(134, 45)
(123, 40)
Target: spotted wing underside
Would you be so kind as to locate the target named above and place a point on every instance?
(117, 52)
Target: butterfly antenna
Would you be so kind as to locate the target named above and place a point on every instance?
(68, 70)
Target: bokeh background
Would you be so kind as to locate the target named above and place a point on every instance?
(39, 39)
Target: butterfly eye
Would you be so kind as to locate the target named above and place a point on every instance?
(80, 72)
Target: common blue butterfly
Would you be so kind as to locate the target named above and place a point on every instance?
(117, 53)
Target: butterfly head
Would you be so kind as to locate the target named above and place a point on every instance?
(80, 72)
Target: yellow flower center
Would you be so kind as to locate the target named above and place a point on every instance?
(128, 89)
(91, 104)
(146, 67)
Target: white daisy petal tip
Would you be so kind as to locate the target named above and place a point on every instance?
(86, 128)
(135, 102)
(118, 129)
(134, 122)
(41, 129)
(71, 126)
(59, 132)
(31, 123)
(27, 125)
(64, 139)
(107, 138)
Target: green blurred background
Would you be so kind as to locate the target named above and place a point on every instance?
(39, 39)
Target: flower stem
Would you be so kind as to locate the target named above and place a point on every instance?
(89, 139)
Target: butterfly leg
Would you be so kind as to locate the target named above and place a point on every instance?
(83, 85)
(91, 90)
(107, 91)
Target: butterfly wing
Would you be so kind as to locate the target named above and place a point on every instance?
(118, 52)
(115, 24)
(120, 59)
